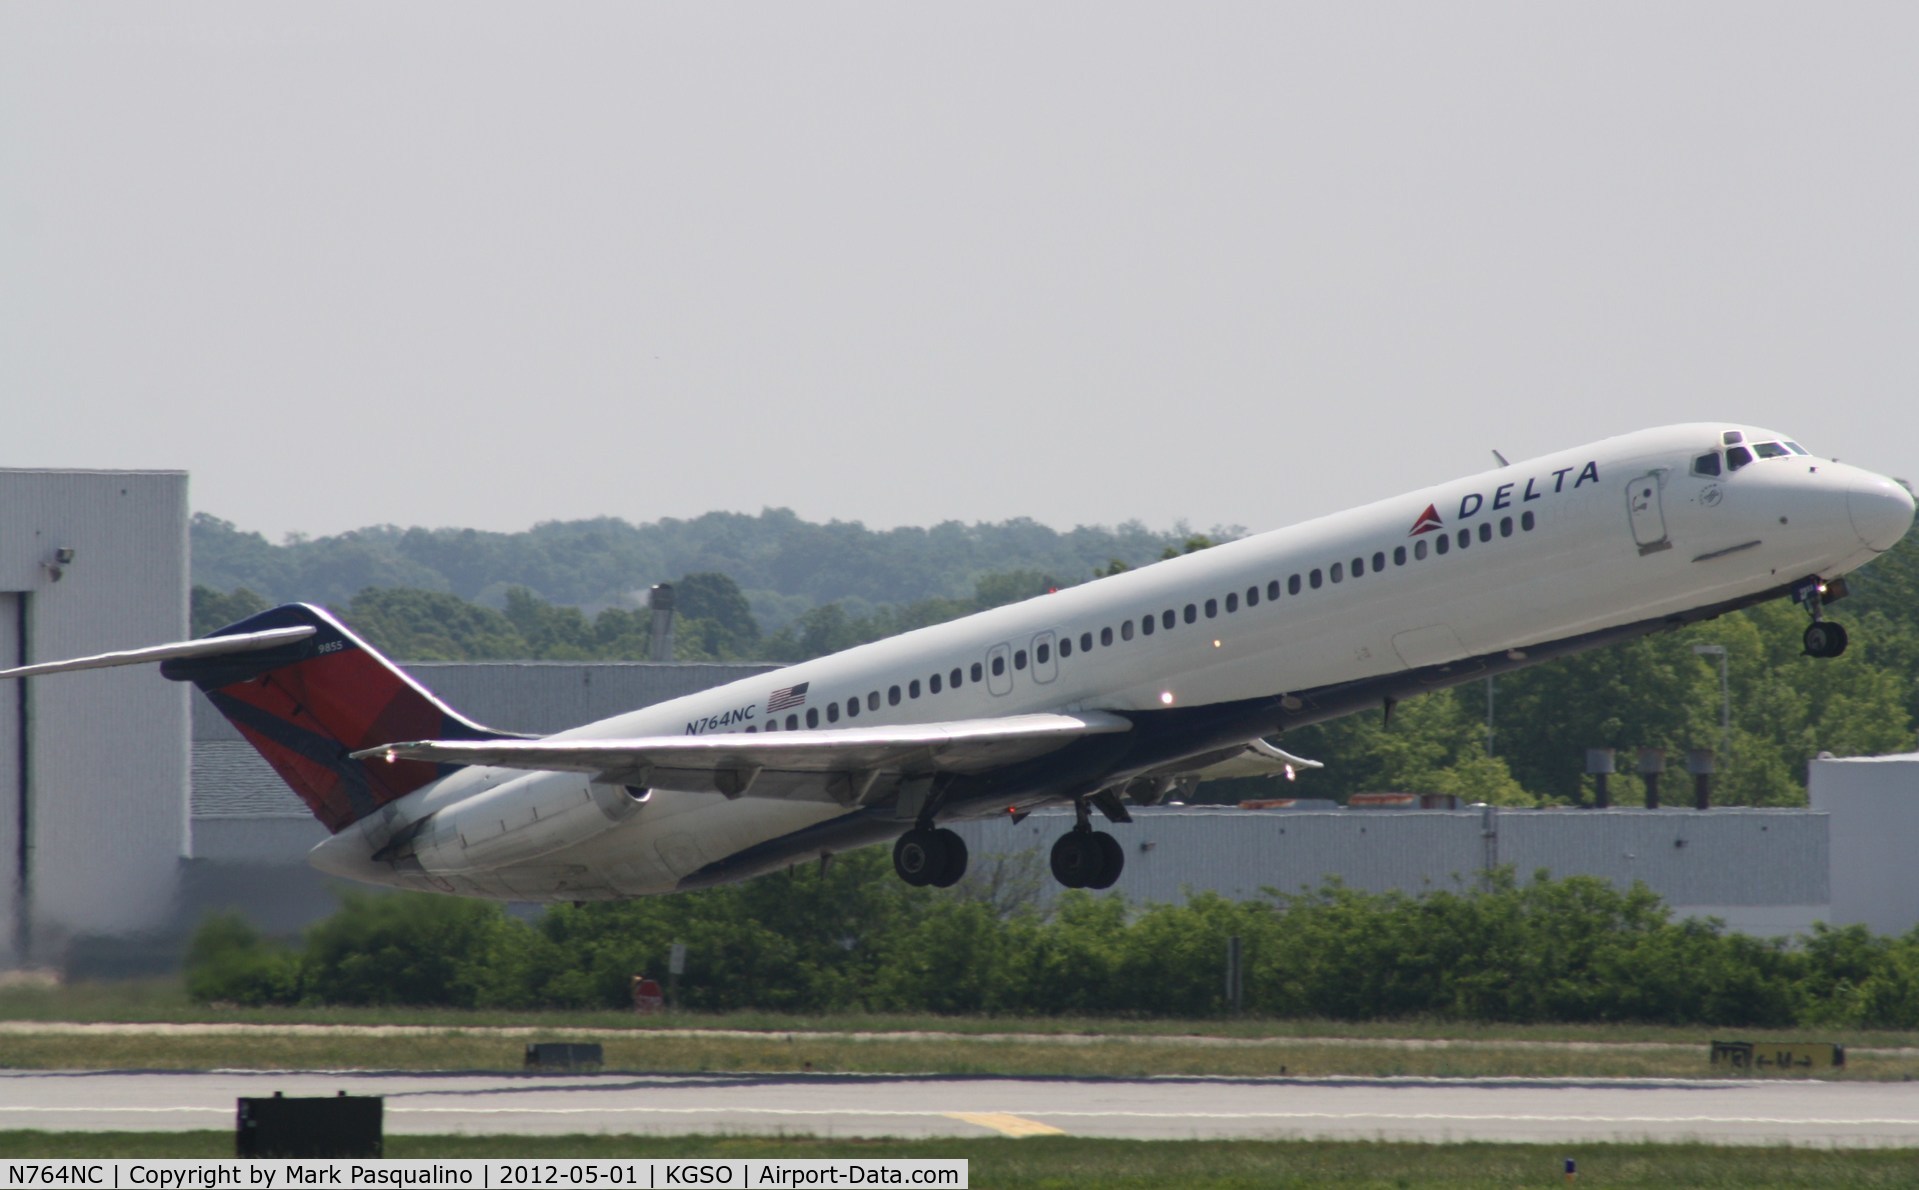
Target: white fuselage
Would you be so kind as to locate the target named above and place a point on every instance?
(1624, 531)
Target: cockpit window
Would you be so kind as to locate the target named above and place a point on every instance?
(1797, 449)
(1732, 437)
(1770, 450)
(1706, 464)
(1737, 457)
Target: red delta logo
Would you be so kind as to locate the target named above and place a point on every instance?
(1427, 522)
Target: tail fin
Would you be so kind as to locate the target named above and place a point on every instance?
(306, 705)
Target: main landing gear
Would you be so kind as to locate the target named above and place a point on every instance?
(929, 855)
(1824, 638)
(1086, 858)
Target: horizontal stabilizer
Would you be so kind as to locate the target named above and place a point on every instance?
(216, 646)
(803, 765)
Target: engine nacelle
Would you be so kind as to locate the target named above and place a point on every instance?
(524, 819)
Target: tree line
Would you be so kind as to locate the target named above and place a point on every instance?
(852, 939)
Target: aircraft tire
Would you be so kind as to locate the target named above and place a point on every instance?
(1112, 860)
(1076, 859)
(917, 857)
(1824, 638)
(952, 851)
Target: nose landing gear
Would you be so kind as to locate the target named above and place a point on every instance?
(1824, 638)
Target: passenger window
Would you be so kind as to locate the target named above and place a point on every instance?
(1465, 538)
(1212, 608)
(1252, 597)
(1126, 630)
(750, 729)
(1338, 572)
(1379, 561)
(1167, 617)
(933, 684)
(873, 701)
(1399, 555)
(979, 671)
(1313, 580)
(1359, 567)
(1232, 603)
(1086, 641)
(892, 696)
(1019, 659)
(1443, 543)
(1505, 526)
(1192, 614)
(1272, 588)
(1065, 649)
(1706, 464)
(1737, 457)
(1485, 530)
(832, 712)
(1526, 520)
(1146, 625)
(913, 687)
(999, 665)
(1292, 585)
(1106, 637)
(1419, 549)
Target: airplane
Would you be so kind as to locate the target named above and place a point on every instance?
(1114, 691)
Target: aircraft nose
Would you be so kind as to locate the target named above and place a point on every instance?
(1881, 510)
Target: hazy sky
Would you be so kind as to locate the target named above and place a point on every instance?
(474, 264)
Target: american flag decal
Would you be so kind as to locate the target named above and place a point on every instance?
(786, 698)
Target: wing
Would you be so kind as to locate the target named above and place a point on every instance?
(1256, 759)
(852, 766)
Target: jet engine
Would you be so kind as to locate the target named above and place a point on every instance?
(521, 820)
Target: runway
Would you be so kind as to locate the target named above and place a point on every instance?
(1537, 1110)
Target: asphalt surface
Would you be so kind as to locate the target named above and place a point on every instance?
(1539, 1110)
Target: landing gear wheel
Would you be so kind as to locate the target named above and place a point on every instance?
(1087, 859)
(1825, 639)
(1112, 860)
(1076, 858)
(952, 850)
(925, 856)
(918, 857)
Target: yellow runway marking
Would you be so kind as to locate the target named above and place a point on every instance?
(1007, 1125)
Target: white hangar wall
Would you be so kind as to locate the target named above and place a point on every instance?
(1874, 805)
(93, 765)
(1764, 872)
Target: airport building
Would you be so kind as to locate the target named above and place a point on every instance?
(129, 808)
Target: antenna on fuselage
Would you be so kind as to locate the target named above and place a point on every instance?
(1501, 458)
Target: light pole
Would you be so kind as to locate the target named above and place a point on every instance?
(1725, 696)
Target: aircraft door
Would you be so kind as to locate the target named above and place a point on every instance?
(1045, 658)
(1643, 509)
(999, 669)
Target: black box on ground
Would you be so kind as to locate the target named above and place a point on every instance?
(343, 1126)
(562, 1055)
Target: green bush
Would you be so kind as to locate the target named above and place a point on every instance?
(852, 938)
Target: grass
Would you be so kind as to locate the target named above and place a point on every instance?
(454, 1039)
(661, 1051)
(164, 1001)
(1075, 1161)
